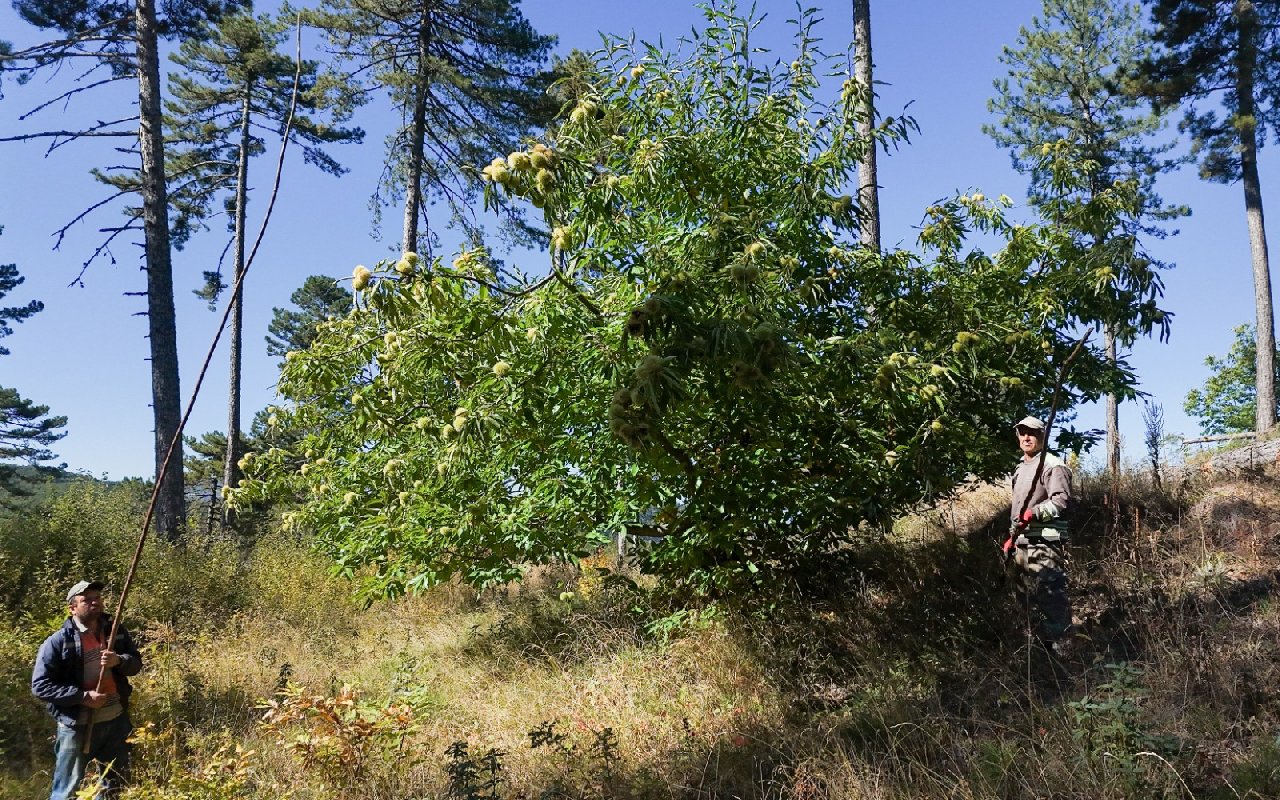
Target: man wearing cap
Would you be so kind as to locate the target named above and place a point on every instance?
(1038, 531)
(66, 677)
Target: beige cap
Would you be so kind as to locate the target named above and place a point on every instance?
(1030, 423)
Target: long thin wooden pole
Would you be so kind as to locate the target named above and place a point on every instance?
(1053, 412)
(195, 392)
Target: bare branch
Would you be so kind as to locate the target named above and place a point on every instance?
(104, 247)
(61, 233)
(87, 35)
(26, 137)
(67, 95)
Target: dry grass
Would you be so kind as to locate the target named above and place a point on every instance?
(967, 510)
(476, 677)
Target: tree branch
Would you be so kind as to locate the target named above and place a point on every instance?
(568, 284)
(26, 137)
(67, 95)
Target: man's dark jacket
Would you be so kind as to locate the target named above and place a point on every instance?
(59, 670)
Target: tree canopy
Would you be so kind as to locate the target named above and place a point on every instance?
(1220, 61)
(1227, 402)
(236, 87)
(1066, 83)
(318, 299)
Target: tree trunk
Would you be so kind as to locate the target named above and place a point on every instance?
(166, 402)
(1246, 61)
(868, 191)
(1113, 409)
(417, 136)
(235, 445)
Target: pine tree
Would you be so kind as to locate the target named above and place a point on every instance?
(122, 39)
(205, 462)
(466, 77)
(319, 298)
(1064, 90)
(235, 88)
(1221, 61)
(26, 429)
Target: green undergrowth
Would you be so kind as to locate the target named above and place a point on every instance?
(901, 672)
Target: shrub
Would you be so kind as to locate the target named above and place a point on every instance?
(193, 585)
(1108, 727)
(288, 580)
(335, 736)
(24, 719)
(221, 770)
(88, 531)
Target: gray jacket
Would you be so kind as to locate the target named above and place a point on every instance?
(1050, 497)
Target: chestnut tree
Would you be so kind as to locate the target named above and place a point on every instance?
(710, 358)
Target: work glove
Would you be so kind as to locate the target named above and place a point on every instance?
(1025, 520)
(1008, 547)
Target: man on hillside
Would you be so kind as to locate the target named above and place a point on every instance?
(1038, 532)
(66, 677)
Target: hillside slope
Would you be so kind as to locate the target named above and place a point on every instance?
(908, 674)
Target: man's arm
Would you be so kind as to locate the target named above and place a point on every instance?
(1057, 484)
(130, 659)
(45, 679)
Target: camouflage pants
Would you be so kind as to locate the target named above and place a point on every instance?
(1042, 573)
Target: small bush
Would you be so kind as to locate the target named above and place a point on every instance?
(1258, 776)
(193, 585)
(88, 531)
(289, 581)
(336, 736)
(1109, 729)
(220, 770)
(473, 777)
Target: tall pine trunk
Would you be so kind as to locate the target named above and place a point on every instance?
(868, 191)
(1246, 62)
(166, 400)
(417, 137)
(235, 445)
(1113, 408)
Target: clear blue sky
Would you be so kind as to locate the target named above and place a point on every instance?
(85, 356)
